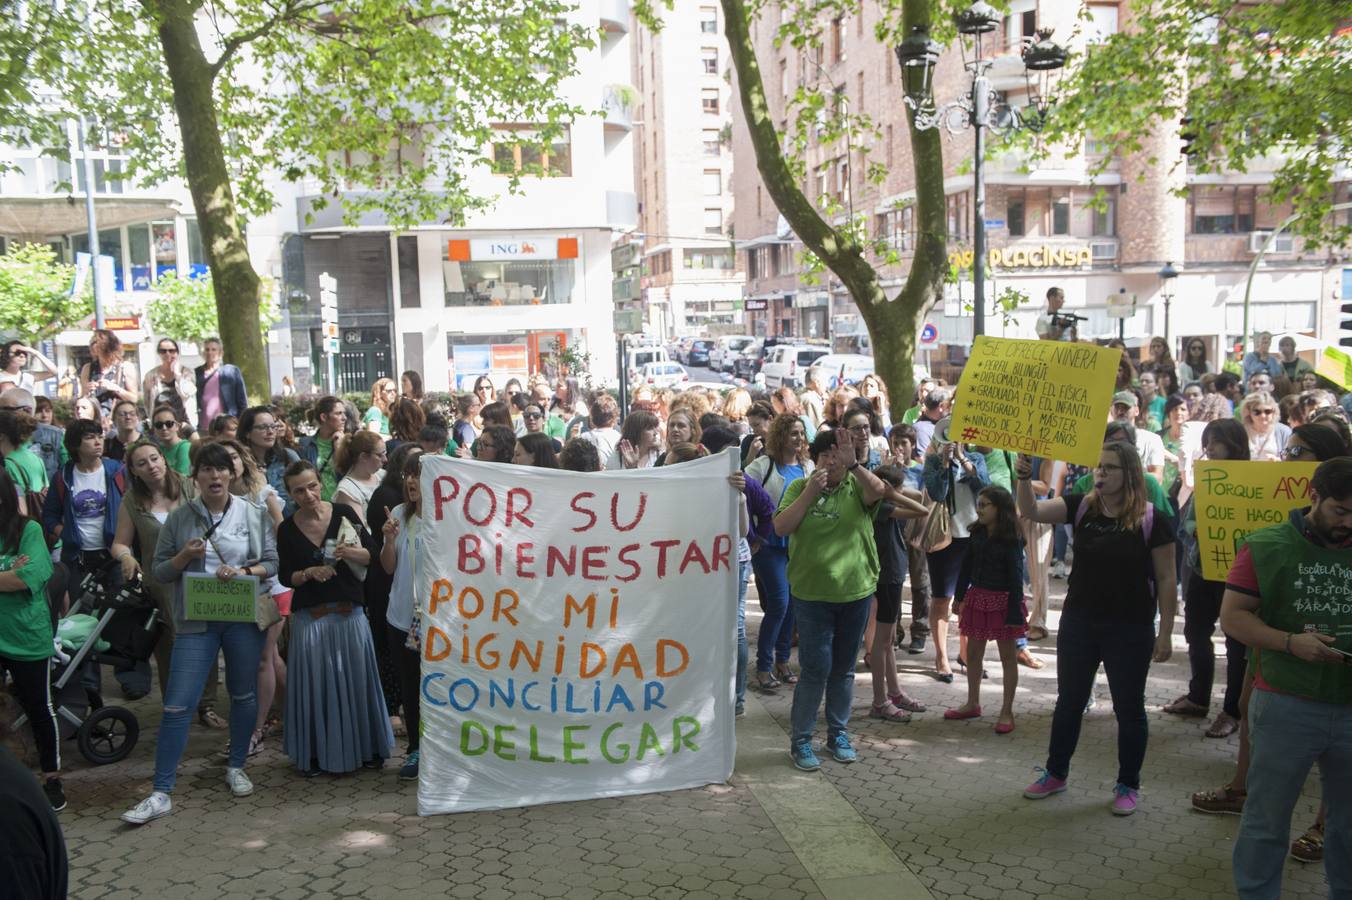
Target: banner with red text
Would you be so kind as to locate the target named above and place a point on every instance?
(579, 632)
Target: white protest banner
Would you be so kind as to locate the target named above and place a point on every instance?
(579, 632)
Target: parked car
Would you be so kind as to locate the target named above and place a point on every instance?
(663, 375)
(698, 354)
(786, 363)
(726, 349)
(682, 348)
(639, 357)
(746, 364)
(844, 368)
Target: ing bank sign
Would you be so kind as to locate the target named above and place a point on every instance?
(1043, 257)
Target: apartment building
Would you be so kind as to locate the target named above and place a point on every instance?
(691, 282)
(1042, 228)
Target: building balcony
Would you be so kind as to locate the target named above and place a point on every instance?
(618, 103)
(615, 15)
(622, 209)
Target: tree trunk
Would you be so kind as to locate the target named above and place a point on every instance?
(892, 324)
(234, 280)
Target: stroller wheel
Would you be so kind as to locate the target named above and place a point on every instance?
(108, 735)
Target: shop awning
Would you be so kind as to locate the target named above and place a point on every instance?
(41, 219)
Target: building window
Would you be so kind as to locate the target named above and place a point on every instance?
(1222, 209)
(859, 104)
(1104, 221)
(713, 221)
(838, 39)
(843, 179)
(1020, 23)
(709, 100)
(959, 219)
(1014, 214)
(708, 20)
(709, 56)
(1102, 22)
(555, 158)
(713, 183)
(708, 259)
(712, 145)
(1061, 216)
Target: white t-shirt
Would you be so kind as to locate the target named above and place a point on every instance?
(1151, 448)
(605, 439)
(89, 500)
(231, 537)
(23, 380)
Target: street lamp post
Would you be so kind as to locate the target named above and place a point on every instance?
(1167, 276)
(980, 109)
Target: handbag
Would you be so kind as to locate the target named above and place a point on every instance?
(936, 530)
(347, 534)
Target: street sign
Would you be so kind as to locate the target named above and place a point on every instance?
(628, 321)
(1121, 305)
(331, 345)
(929, 335)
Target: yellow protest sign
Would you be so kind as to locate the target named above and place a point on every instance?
(1336, 366)
(1234, 499)
(1044, 398)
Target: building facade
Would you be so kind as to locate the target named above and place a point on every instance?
(1099, 236)
(691, 283)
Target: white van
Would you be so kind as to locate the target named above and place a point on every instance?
(726, 350)
(785, 364)
(638, 357)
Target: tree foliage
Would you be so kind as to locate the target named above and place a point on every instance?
(35, 293)
(185, 309)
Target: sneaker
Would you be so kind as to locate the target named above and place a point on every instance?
(1045, 786)
(739, 710)
(240, 785)
(917, 645)
(840, 748)
(1058, 569)
(409, 770)
(152, 807)
(56, 796)
(804, 758)
(1124, 800)
(1224, 801)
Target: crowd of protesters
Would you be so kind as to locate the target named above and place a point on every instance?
(176, 474)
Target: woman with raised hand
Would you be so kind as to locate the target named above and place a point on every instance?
(786, 459)
(640, 442)
(1123, 577)
(336, 717)
(107, 378)
(227, 537)
(832, 574)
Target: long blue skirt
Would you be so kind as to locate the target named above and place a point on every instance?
(335, 708)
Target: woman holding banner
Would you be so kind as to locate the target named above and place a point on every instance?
(229, 537)
(1123, 575)
(832, 574)
(336, 717)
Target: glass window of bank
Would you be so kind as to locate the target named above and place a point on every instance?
(539, 281)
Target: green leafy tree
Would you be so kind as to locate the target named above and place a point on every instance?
(185, 308)
(388, 103)
(35, 298)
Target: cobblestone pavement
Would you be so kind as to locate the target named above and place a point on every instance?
(931, 809)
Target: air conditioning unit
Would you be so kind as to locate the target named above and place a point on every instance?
(1284, 243)
(1103, 251)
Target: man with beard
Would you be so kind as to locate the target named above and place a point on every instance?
(1289, 598)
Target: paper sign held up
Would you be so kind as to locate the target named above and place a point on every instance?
(208, 599)
(1234, 499)
(1043, 398)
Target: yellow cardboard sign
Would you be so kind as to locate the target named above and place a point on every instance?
(1234, 499)
(1336, 366)
(1044, 398)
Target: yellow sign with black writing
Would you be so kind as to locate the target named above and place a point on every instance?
(1043, 398)
(1234, 499)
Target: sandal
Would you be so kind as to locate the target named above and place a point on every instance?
(1185, 707)
(1224, 800)
(1037, 633)
(1029, 660)
(397, 726)
(901, 701)
(1309, 847)
(211, 719)
(889, 712)
(767, 681)
(785, 674)
(1223, 726)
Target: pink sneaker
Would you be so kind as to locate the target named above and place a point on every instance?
(1124, 800)
(1045, 786)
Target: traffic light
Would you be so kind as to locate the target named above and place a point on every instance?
(1345, 325)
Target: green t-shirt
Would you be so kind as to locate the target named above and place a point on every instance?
(375, 415)
(25, 618)
(26, 470)
(832, 555)
(555, 426)
(1158, 498)
(177, 457)
(911, 415)
(998, 463)
(328, 475)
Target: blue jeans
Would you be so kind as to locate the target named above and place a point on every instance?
(829, 635)
(1286, 736)
(743, 654)
(194, 655)
(775, 640)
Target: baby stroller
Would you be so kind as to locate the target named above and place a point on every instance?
(120, 630)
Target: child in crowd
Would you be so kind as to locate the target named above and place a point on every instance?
(990, 591)
(890, 702)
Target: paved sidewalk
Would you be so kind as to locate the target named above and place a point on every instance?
(932, 809)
